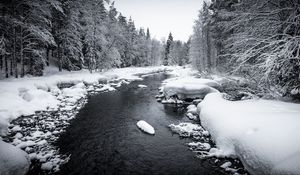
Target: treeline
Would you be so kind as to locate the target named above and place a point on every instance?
(256, 38)
(71, 34)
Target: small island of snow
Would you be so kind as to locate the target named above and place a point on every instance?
(146, 127)
(142, 86)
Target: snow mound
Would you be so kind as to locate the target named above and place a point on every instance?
(13, 160)
(146, 127)
(142, 86)
(262, 133)
(190, 88)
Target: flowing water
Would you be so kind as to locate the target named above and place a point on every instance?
(104, 138)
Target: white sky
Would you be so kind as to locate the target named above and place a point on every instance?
(162, 16)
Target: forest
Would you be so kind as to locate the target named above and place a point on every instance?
(75, 35)
(257, 39)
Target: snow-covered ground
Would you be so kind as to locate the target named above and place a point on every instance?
(46, 105)
(263, 134)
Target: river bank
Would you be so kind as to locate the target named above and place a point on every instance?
(239, 122)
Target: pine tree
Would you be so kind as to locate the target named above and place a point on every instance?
(168, 47)
(148, 37)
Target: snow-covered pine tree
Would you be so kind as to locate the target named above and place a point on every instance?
(168, 47)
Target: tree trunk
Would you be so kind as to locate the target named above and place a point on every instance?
(11, 66)
(208, 47)
(48, 56)
(15, 54)
(14, 62)
(21, 51)
(21, 55)
(59, 55)
(1, 62)
(6, 66)
(31, 64)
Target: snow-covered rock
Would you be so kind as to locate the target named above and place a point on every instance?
(171, 101)
(191, 116)
(199, 146)
(190, 88)
(192, 109)
(13, 161)
(187, 129)
(262, 133)
(146, 127)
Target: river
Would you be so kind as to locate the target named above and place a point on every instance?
(104, 138)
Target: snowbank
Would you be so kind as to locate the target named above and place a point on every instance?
(189, 87)
(13, 160)
(262, 133)
(146, 127)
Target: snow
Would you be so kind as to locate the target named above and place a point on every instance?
(142, 86)
(187, 129)
(30, 94)
(146, 127)
(189, 87)
(192, 109)
(199, 146)
(226, 165)
(13, 160)
(263, 134)
(295, 91)
(191, 116)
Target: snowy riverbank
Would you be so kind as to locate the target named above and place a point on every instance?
(42, 107)
(27, 95)
(263, 134)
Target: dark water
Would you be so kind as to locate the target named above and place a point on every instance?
(104, 139)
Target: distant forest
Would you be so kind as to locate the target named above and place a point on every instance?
(75, 35)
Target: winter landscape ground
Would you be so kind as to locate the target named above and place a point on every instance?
(86, 89)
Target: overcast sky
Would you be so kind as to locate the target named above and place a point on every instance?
(162, 16)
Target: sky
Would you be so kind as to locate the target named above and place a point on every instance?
(162, 16)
